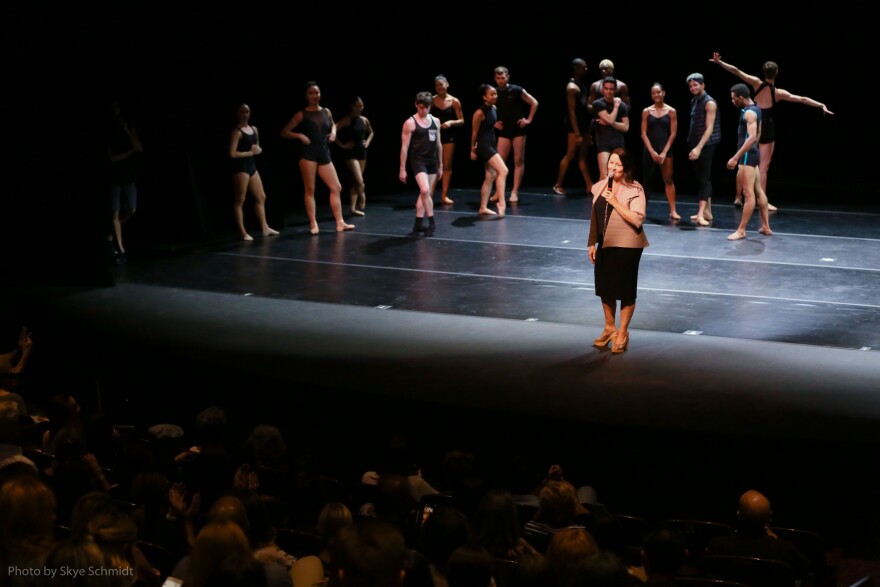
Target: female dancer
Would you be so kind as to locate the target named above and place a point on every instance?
(616, 243)
(244, 145)
(355, 136)
(124, 150)
(483, 149)
(447, 109)
(659, 127)
(314, 128)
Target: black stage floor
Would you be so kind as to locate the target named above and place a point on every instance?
(767, 347)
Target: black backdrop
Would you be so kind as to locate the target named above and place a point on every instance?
(181, 69)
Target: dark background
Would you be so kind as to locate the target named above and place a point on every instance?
(181, 69)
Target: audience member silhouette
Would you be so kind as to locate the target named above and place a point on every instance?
(558, 507)
(222, 555)
(445, 530)
(566, 551)
(27, 517)
(753, 536)
(469, 566)
(664, 555)
(369, 553)
(495, 526)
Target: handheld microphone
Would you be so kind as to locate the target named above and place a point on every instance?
(610, 182)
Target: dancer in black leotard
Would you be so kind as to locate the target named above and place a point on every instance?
(483, 149)
(447, 109)
(766, 94)
(355, 136)
(244, 146)
(659, 128)
(577, 120)
(123, 149)
(746, 161)
(314, 128)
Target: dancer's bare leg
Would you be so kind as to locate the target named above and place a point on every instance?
(329, 177)
(448, 152)
(356, 194)
(519, 166)
(669, 186)
(308, 170)
(504, 146)
(256, 185)
(766, 151)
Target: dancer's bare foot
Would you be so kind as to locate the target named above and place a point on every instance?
(559, 190)
(771, 207)
(270, 232)
(765, 231)
(708, 215)
(343, 227)
(446, 201)
(738, 203)
(514, 198)
(487, 211)
(247, 237)
(737, 236)
(699, 220)
(313, 229)
(501, 208)
(674, 215)
(494, 198)
(356, 212)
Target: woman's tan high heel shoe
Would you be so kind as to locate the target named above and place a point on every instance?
(619, 347)
(604, 339)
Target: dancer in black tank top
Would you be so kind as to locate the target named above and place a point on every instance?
(420, 146)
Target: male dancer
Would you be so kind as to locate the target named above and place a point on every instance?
(703, 136)
(420, 143)
(766, 94)
(747, 158)
(578, 120)
(512, 126)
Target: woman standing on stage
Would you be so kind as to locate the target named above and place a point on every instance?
(244, 146)
(314, 128)
(659, 128)
(355, 136)
(483, 149)
(616, 242)
(447, 109)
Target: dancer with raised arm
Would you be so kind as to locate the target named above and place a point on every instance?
(766, 94)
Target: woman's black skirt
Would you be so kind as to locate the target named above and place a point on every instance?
(617, 273)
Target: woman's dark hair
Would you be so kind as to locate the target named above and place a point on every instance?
(627, 162)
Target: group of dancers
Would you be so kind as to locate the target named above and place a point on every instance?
(597, 116)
